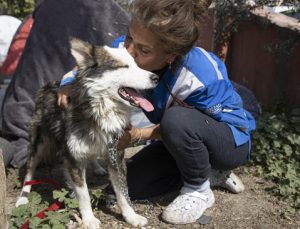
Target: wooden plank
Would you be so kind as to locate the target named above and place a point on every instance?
(2, 192)
(278, 19)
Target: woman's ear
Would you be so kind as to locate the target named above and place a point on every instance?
(171, 58)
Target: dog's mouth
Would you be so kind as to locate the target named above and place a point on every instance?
(135, 99)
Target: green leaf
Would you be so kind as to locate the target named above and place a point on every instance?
(71, 203)
(58, 217)
(35, 222)
(288, 150)
(18, 183)
(59, 226)
(19, 221)
(11, 226)
(60, 195)
(97, 193)
(291, 139)
(276, 143)
(21, 211)
(297, 139)
(34, 198)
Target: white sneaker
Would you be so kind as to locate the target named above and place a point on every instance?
(188, 206)
(226, 179)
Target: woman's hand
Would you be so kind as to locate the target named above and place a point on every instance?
(133, 135)
(63, 96)
(130, 136)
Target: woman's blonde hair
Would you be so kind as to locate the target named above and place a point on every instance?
(174, 22)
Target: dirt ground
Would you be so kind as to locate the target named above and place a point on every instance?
(254, 208)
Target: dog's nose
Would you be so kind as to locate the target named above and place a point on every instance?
(154, 78)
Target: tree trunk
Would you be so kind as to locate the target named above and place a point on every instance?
(2, 192)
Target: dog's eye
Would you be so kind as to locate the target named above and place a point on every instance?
(117, 66)
(94, 65)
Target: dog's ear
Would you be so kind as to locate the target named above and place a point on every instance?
(81, 51)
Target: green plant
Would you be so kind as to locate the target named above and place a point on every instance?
(54, 219)
(17, 8)
(97, 196)
(276, 153)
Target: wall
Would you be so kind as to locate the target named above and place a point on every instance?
(274, 77)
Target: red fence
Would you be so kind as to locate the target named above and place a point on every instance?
(262, 58)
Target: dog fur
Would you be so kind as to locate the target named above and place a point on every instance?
(95, 115)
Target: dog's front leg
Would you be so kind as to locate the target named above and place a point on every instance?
(117, 173)
(77, 179)
(32, 163)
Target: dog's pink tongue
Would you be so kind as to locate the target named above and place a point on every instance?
(143, 103)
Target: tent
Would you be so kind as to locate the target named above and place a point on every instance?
(16, 45)
(8, 27)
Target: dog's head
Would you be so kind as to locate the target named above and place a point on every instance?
(112, 71)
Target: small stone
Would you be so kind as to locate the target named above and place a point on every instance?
(204, 219)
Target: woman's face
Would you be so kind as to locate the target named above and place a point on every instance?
(145, 48)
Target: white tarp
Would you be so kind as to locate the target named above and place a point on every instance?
(8, 27)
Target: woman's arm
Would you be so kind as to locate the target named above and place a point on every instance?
(63, 96)
(149, 133)
(135, 135)
(65, 88)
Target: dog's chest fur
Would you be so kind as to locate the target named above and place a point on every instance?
(86, 127)
(92, 124)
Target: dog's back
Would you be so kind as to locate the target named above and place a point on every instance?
(46, 133)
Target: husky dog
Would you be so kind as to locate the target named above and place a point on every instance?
(101, 101)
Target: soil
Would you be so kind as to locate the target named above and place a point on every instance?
(256, 207)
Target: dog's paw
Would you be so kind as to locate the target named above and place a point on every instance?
(21, 200)
(91, 223)
(137, 220)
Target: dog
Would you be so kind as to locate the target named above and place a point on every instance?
(102, 97)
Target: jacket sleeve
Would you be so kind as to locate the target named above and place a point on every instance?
(210, 99)
(68, 78)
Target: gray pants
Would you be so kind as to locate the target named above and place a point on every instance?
(193, 143)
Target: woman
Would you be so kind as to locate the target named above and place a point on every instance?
(200, 120)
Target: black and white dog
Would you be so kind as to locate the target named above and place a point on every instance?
(102, 97)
